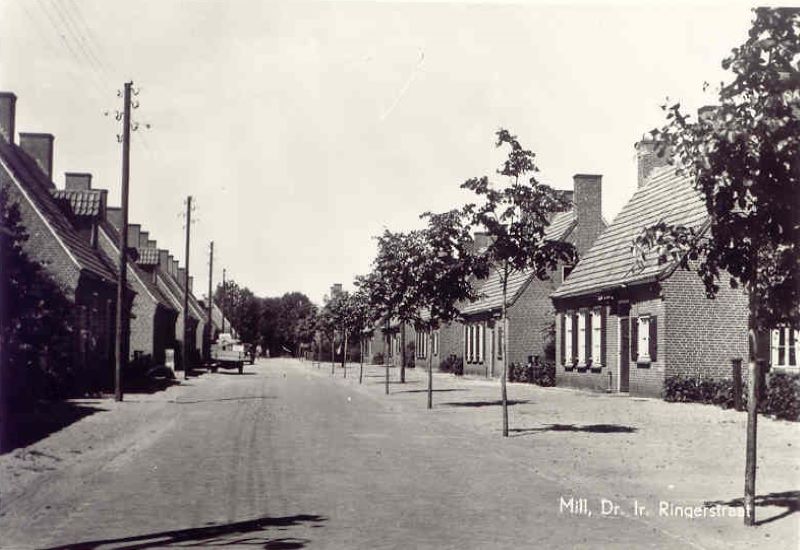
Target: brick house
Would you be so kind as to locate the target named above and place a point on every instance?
(67, 252)
(625, 325)
(152, 324)
(530, 311)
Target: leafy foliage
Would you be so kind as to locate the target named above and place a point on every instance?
(781, 396)
(743, 157)
(37, 335)
(539, 374)
(452, 364)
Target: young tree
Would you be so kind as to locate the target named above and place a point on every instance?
(391, 284)
(445, 270)
(362, 323)
(516, 217)
(744, 157)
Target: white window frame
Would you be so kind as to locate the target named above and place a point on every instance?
(568, 351)
(582, 338)
(597, 334)
(435, 346)
(479, 342)
(775, 348)
(643, 339)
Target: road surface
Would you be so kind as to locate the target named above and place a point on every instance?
(285, 456)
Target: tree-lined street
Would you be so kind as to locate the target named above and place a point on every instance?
(289, 457)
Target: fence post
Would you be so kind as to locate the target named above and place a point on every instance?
(736, 364)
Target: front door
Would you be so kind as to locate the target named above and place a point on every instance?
(624, 353)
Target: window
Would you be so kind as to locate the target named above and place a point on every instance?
(435, 343)
(784, 347)
(582, 338)
(644, 346)
(474, 334)
(500, 342)
(597, 328)
(479, 347)
(568, 351)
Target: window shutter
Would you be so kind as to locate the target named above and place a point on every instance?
(588, 339)
(574, 335)
(563, 339)
(634, 338)
(653, 339)
(603, 354)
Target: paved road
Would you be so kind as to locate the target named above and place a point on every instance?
(287, 457)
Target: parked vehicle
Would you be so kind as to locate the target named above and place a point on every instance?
(227, 353)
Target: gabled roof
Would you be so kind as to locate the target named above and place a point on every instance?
(490, 290)
(609, 263)
(175, 294)
(145, 278)
(83, 202)
(36, 186)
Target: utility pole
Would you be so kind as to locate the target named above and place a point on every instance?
(120, 350)
(210, 298)
(224, 295)
(186, 292)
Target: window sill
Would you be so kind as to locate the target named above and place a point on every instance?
(645, 363)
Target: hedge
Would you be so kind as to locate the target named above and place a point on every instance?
(780, 396)
(539, 374)
(452, 364)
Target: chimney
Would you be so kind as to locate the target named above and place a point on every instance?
(648, 159)
(191, 285)
(163, 259)
(133, 235)
(152, 244)
(40, 148)
(171, 265)
(175, 268)
(182, 277)
(144, 236)
(481, 241)
(588, 197)
(114, 216)
(8, 108)
(77, 181)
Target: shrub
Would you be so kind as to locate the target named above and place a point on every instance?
(780, 396)
(539, 374)
(377, 359)
(410, 355)
(452, 364)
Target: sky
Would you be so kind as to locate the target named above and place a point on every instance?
(302, 130)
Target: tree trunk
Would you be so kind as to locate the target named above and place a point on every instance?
(430, 369)
(403, 353)
(386, 355)
(344, 355)
(361, 359)
(333, 353)
(503, 391)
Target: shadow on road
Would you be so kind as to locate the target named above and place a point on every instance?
(25, 428)
(497, 403)
(589, 428)
(235, 373)
(212, 535)
(426, 391)
(787, 499)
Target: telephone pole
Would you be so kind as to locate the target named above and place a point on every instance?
(224, 296)
(186, 292)
(210, 298)
(120, 350)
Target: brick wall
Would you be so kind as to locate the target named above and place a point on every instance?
(529, 319)
(704, 334)
(42, 245)
(144, 308)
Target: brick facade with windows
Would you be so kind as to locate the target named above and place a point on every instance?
(656, 321)
(530, 313)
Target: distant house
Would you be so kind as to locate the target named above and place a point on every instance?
(69, 253)
(625, 325)
(530, 311)
(152, 325)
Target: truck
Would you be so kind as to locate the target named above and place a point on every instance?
(227, 353)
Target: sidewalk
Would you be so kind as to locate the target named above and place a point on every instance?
(671, 458)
